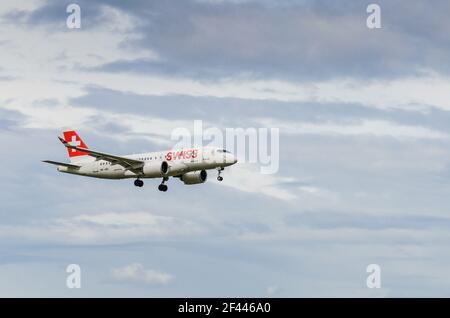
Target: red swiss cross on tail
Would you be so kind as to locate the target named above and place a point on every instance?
(71, 137)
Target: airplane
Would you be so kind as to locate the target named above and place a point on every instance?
(189, 165)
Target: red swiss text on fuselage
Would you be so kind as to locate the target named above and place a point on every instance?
(182, 154)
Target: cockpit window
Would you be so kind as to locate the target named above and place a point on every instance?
(222, 151)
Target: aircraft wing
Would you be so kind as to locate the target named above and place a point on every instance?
(68, 165)
(130, 164)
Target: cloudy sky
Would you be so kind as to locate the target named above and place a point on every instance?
(364, 172)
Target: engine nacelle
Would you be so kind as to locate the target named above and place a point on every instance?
(156, 169)
(163, 169)
(175, 168)
(194, 177)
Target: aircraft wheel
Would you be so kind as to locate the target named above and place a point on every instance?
(219, 178)
(162, 187)
(138, 183)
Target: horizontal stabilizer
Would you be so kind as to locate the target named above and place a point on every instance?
(68, 165)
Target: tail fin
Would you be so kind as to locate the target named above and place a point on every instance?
(72, 138)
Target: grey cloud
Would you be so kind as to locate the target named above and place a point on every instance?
(10, 119)
(296, 40)
(54, 13)
(304, 40)
(229, 213)
(406, 182)
(222, 111)
(340, 219)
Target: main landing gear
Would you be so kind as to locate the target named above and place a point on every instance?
(219, 177)
(139, 183)
(162, 187)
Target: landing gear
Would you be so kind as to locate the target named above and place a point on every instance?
(162, 187)
(138, 183)
(219, 177)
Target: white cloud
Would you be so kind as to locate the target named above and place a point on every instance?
(9, 6)
(376, 128)
(349, 235)
(48, 63)
(103, 228)
(49, 50)
(272, 291)
(310, 190)
(136, 272)
(247, 178)
(313, 198)
(416, 94)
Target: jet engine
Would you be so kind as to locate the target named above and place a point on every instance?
(194, 177)
(174, 168)
(156, 169)
(163, 169)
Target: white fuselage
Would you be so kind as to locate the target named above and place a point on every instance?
(179, 161)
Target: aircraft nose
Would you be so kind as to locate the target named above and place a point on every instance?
(230, 159)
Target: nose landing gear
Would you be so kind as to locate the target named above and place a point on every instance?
(219, 177)
(162, 187)
(139, 183)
